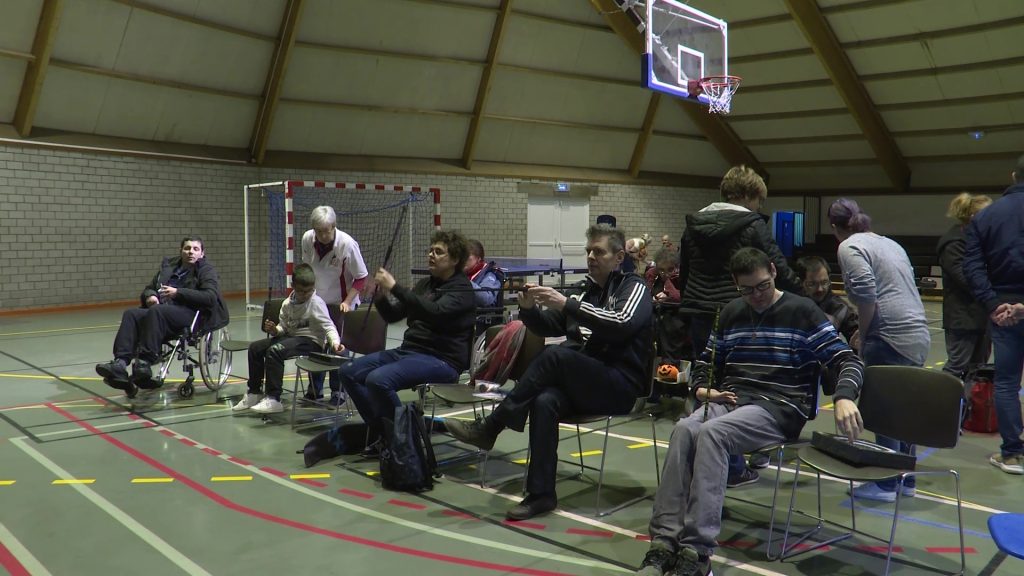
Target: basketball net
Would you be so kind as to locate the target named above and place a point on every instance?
(720, 90)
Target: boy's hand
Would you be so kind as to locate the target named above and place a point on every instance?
(270, 327)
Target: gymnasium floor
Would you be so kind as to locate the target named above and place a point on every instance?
(91, 486)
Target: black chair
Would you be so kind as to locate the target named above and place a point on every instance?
(272, 312)
(916, 405)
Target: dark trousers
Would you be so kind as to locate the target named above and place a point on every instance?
(558, 383)
(965, 348)
(1008, 342)
(373, 381)
(266, 360)
(878, 352)
(144, 330)
(317, 380)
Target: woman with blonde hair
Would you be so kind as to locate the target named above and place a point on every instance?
(964, 319)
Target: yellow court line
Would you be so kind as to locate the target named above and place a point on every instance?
(7, 482)
(520, 461)
(828, 406)
(152, 480)
(640, 445)
(52, 330)
(372, 473)
(308, 476)
(587, 453)
(230, 478)
(73, 481)
(940, 363)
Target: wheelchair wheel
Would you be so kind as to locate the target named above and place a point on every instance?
(186, 389)
(214, 363)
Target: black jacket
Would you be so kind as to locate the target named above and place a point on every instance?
(994, 256)
(440, 315)
(960, 311)
(612, 324)
(710, 240)
(844, 315)
(198, 290)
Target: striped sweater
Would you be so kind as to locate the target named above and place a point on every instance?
(774, 359)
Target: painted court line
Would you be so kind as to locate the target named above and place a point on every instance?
(7, 482)
(60, 482)
(16, 559)
(230, 478)
(152, 480)
(309, 476)
(133, 526)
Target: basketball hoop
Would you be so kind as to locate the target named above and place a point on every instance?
(720, 90)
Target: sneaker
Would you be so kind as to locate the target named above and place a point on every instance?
(1013, 464)
(115, 375)
(758, 460)
(312, 395)
(532, 506)
(247, 401)
(477, 433)
(871, 491)
(337, 399)
(372, 450)
(268, 406)
(659, 559)
(909, 491)
(748, 476)
(689, 562)
(142, 375)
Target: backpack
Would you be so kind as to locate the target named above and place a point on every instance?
(407, 458)
(347, 438)
(979, 391)
(494, 362)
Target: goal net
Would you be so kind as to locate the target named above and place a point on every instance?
(277, 214)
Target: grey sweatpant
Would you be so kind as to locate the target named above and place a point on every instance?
(688, 505)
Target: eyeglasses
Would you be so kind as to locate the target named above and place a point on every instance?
(812, 285)
(437, 252)
(748, 290)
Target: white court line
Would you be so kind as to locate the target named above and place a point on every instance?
(21, 554)
(138, 423)
(133, 526)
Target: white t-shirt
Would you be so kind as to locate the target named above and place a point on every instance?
(338, 269)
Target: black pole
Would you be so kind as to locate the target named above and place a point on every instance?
(387, 260)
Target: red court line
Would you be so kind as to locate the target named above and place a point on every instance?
(211, 451)
(883, 549)
(168, 433)
(312, 482)
(457, 514)
(187, 442)
(524, 524)
(356, 493)
(11, 564)
(951, 550)
(273, 471)
(232, 505)
(239, 461)
(405, 504)
(643, 537)
(594, 533)
(739, 544)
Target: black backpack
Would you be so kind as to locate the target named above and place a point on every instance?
(407, 458)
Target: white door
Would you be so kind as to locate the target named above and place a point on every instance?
(556, 228)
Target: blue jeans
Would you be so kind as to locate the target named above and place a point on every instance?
(1008, 343)
(316, 379)
(877, 352)
(373, 381)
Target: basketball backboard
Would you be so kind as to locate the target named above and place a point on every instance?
(683, 45)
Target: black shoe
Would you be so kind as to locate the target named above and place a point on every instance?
(659, 559)
(477, 433)
(372, 450)
(758, 460)
(115, 374)
(532, 506)
(689, 562)
(748, 476)
(142, 375)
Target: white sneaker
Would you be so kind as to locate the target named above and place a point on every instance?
(268, 406)
(247, 401)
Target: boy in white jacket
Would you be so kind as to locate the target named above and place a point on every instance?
(305, 326)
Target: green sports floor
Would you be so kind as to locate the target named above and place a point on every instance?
(94, 484)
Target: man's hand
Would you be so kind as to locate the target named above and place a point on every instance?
(1012, 314)
(152, 301)
(270, 327)
(525, 298)
(167, 292)
(716, 396)
(660, 297)
(345, 307)
(338, 348)
(547, 296)
(1001, 313)
(384, 279)
(848, 419)
(855, 341)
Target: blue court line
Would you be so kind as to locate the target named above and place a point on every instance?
(913, 520)
(926, 453)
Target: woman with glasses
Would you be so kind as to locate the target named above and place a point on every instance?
(879, 281)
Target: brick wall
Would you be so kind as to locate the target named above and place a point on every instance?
(86, 228)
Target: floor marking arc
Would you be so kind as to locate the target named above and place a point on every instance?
(16, 559)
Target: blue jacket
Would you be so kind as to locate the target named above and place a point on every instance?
(994, 255)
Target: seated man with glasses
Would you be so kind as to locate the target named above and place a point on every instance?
(756, 380)
(439, 312)
(815, 273)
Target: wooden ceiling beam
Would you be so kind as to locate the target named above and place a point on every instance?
(483, 90)
(16, 55)
(718, 132)
(825, 44)
(35, 72)
(645, 135)
(275, 78)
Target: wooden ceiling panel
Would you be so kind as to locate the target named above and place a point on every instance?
(824, 150)
(947, 51)
(11, 74)
(90, 33)
(886, 20)
(831, 125)
(811, 98)
(258, 16)
(672, 118)
(71, 100)
(965, 172)
(816, 178)
(980, 114)
(682, 156)
(1009, 141)
(578, 12)
(515, 93)
(191, 118)
(163, 47)
(18, 24)
(735, 11)
(326, 76)
(774, 37)
(413, 27)
(766, 72)
(520, 143)
(553, 46)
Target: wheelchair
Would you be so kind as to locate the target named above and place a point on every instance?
(197, 346)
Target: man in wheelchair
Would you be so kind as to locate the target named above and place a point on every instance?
(184, 285)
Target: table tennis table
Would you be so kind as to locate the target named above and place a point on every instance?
(527, 267)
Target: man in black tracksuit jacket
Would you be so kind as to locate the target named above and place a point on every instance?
(602, 367)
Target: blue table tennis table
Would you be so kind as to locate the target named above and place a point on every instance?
(527, 267)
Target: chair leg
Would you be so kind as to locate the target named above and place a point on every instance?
(600, 472)
(579, 447)
(895, 519)
(654, 438)
(295, 393)
(775, 496)
(960, 521)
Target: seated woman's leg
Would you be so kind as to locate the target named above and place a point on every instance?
(410, 369)
(353, 379)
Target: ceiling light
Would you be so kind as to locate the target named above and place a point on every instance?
(976, 134)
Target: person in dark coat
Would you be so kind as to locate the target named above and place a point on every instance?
(963, 318)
